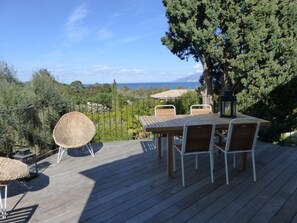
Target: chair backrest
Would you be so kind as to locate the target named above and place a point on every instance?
(242, 134)
(198, 135)
(73, 130)
(11, 169)
(199, 109)
(161, 110)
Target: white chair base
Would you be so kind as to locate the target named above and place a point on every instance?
(3, 204)
(234, 164)
(62, 150)
(89, 146)
(196, 165)
(60, 154)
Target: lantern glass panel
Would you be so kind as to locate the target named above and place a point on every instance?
(228, 106)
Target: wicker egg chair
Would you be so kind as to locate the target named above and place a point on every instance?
(10, 170)
(73, 130)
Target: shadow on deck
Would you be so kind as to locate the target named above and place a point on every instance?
(125, 182)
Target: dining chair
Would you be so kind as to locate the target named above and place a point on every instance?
(198, 138)
(162, 110)
(198, 109)
(201, 109)
(73, 130)
(241, 138)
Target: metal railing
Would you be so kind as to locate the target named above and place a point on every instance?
(32, 127)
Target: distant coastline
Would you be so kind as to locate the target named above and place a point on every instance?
(170, 85)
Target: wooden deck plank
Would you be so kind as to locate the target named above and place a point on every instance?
(155, 193)
(251, 201)
(126, 182)
(207, 195)
(288, 211)
(247, 190)
(285, 190)
(164, 199)
(205, 199)
(151, 211)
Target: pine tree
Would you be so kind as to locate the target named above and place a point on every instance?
(246, 46)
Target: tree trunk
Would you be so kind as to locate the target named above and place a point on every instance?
(207, 98)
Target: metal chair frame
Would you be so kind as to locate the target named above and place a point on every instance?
(3, 204)
(198, 138)
(243, 141)
(198, 109)
(161, 110)
(78, 131)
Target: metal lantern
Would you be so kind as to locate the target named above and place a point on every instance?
(228, 105)
(26, 156)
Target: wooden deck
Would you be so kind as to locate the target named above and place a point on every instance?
(125, 182)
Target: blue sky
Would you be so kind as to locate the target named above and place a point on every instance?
(90, 40)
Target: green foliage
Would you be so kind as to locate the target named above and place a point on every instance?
(245, 46)
(279, 107)
(141, 92)
(13, 96)
(184, 102)
(194, 31)
(46, 88)
(269, 57)
(77, 86)
(102, 98)
(125, 90)
(122, 123)
(251, 45)
(96, 93)
(12, 92)
(7, 73)
(22, 122)
(268, 79)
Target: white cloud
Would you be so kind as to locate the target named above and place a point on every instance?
(75, 29)
(103, 69)
(58, 69)
(130, 71)
(77, 16)
(130, 39)
(198, 68)
(77, 34)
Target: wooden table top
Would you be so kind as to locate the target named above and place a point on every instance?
(166, 124)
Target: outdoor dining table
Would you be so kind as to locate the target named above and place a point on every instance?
(173, 125)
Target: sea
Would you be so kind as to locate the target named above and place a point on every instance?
(159, 85)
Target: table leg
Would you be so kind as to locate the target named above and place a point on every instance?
(169, 154)
(243, 161)
(159, 146)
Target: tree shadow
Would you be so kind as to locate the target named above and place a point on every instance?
(117, 177)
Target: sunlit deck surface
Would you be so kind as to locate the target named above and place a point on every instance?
(125, 182)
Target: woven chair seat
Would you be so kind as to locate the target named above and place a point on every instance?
(73, 130)
(11, 169)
